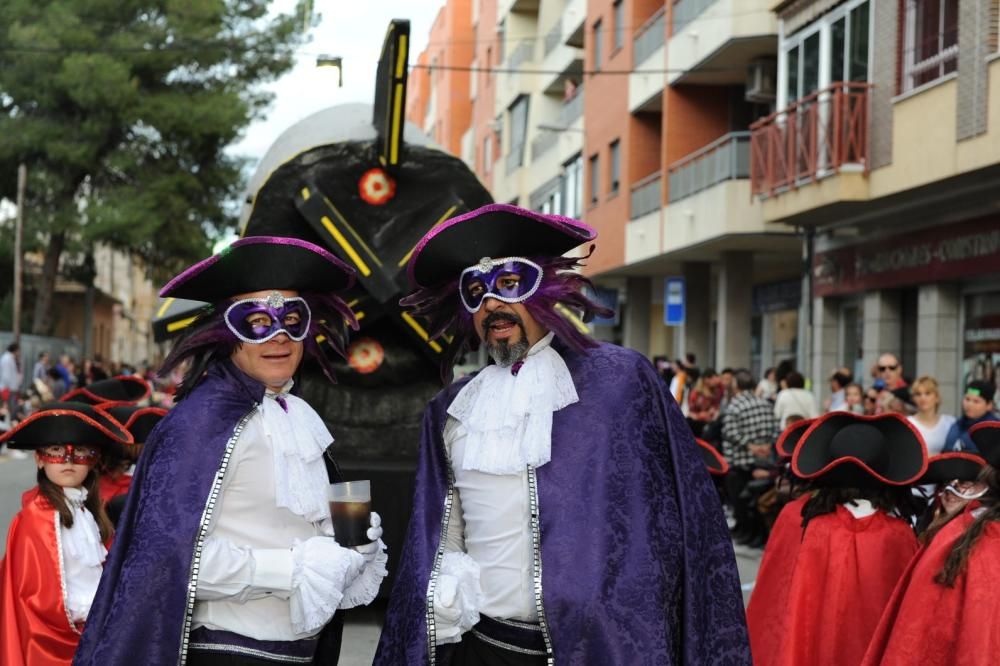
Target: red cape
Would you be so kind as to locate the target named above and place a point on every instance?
(110, 487)
(766, 611)
(824, 606)
(34, 625)
(928, 623)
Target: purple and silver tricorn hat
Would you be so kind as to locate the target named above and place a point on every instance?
(258, 263)
(492, 232)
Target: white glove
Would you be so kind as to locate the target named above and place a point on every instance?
(457, 597)
(363, 590)
(322, 571)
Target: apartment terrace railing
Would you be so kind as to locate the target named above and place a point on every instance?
(521, 54)
(554, 38)
(645, 196)
(726, 158)
(650, 36)
(686, 11)
(572, 109)
(811, 138)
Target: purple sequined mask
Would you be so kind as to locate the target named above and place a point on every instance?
(510, 279)
(257, 320)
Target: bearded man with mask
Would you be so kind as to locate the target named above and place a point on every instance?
(562, 511)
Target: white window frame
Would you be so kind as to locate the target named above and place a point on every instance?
(474, 79)
(823, 25)
(912, 69)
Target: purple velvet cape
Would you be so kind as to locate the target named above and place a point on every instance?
(138, 614)
(637, 563)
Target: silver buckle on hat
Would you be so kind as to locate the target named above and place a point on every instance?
(275, 300)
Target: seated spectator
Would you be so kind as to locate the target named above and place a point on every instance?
(977, 407)
(839, 381)
(704, 401)
(854, 399)
(793, 398)
(767, 388)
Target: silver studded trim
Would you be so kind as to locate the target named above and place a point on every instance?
(449, 501)
(507, 646)
(62, 572)
(250, 652)
(527, 626)
(536, 552)
(206, 518)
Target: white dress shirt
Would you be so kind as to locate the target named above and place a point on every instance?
(83, 556)
(491, 521)
(245, 576)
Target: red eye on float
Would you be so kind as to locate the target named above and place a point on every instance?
(376, 187)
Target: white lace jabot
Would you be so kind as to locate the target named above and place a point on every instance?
(299, 438)
(508, 418)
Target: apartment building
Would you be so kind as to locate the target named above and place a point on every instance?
(634, 115)
(885, 150)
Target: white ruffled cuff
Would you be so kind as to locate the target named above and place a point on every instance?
(321, 572)
(457, 597)
(365, 587)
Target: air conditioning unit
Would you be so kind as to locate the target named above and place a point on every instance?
(762, 80)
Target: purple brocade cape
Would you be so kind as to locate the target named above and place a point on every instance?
(139, 613)
(637, 563)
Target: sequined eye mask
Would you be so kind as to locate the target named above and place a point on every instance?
(68, 453)
(510, 279)
(257, 320)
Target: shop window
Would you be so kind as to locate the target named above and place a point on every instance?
(931, 47)
(981, 338)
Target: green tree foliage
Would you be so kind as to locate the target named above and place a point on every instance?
(122, 110)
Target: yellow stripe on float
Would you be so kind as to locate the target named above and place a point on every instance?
(305, 193)
(400, 56)
(166, 304)
(573, 319)
(397, 106)
(339, 237)
(448, 213)
(354, 234)
(415, 325)
(178, 325)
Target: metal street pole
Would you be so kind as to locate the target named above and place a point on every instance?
(22, 182)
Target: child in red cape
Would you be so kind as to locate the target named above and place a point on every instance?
(56, 544)
(945, 608)
(835, 554)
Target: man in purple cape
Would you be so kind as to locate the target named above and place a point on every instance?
(225, 552)
(562, 511)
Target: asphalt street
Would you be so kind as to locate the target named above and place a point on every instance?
(362, 626)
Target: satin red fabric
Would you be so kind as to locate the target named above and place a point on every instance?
(34, 627)
(928, 623)
(824, 600)
(109, 487)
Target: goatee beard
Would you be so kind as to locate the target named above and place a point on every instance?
(502, 352)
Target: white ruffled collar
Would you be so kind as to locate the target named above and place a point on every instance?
(82, 542)
(507, 418)
(299, 438)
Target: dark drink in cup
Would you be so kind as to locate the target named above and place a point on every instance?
(351, 522)
(350, 510)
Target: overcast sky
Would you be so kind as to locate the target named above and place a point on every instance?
(353, 30)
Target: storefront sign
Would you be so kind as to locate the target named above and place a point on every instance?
(938, 254)
(777, 296)
(673, 301)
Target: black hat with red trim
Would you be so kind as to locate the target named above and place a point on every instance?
(139, 421)
(986, 437)
(120, 390)
(958, 465)
(791, 436)
(716, 464)
(850, 450)
(68, 423)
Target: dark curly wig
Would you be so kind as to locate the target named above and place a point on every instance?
(209, 339)
(561, 289)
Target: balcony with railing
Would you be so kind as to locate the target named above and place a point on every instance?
(572, 109)
(562, 63)
(645, 85)
(521, 54)
(650, 36)
(726, 158)
(543, 143)
(713, 41)
(813, 138)
(645, 196)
